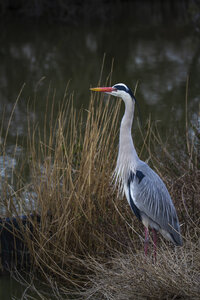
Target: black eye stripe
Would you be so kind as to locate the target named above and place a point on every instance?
(121, 88)
(125, 89)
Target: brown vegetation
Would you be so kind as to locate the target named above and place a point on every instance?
(88, 244)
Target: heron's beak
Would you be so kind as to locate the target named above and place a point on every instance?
(103, 89)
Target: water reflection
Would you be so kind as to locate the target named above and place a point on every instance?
(161, 58)
(10, 289)
(7, 164)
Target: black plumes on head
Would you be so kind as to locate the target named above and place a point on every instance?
(125, 89)
(130, 93)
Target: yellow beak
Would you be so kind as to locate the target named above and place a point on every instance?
(103, 89)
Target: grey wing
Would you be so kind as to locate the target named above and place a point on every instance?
(151, 197)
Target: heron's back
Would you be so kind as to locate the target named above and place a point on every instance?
(148, 195)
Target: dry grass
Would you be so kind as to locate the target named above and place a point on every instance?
(132, 276)
(88, 245)
(176, 274)
(70, 174)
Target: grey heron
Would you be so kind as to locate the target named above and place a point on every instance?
(145, 191)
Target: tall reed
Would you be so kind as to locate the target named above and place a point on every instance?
(86, 235)
(71, 162)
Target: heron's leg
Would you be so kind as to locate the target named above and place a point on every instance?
(154, 242)
(146, 241)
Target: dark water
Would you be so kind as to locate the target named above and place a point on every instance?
(159, 57)
(10, 289)
(42, 55)
(20, 288)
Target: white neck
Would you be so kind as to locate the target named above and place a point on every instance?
(127, 155)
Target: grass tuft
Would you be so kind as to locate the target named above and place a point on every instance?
(88, 243)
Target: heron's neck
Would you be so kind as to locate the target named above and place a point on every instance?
(127, 156)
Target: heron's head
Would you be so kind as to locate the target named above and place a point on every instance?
(118, 90)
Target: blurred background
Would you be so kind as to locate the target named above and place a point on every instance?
(51, 44)
(48, 44)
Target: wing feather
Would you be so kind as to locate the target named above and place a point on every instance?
(152, 198)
